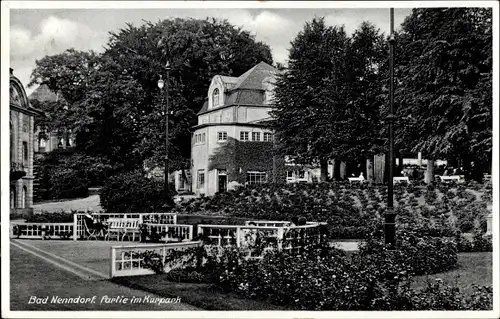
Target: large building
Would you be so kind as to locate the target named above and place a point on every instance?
(45, 140)
(232, 142)
(22, 125)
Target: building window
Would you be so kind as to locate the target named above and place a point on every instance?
(256, 177)
(215, 97)
(201, 178)
(24, 198)
(25, 151)
(13, 197)
(222, 136)
(196, 139)
(255, 136)
(268, 137)
(301, 174)
(203, 138)
(294, 176)
(243, 136)
(182, 184)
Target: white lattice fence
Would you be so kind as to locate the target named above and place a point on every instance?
(259, 239)
(129, 260)
(150, 218)
(43, 230)
(170, 232)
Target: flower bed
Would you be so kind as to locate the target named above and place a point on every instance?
(326, 278)
(351, 211)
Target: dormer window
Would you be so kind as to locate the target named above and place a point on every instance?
(215, 97)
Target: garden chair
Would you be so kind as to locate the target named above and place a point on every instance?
(91, 231)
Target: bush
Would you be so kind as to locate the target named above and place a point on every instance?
(329, 279)
(463, 244)
(61, 174)
(68, 183)
(134, 192)
(55, 217)
(416, 253)
(482, 243)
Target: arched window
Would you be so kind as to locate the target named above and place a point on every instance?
(13, 197)
(12, 144)
(215, 98)
(24, 198)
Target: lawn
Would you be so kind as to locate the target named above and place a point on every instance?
(32, 276)
(474, 268)
(196, 294)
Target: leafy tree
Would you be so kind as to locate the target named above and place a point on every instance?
(444, 91)
(304, 100)
(328, 98)
(367, 60)
(114, 105)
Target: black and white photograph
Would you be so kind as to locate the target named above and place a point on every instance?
(187, 159)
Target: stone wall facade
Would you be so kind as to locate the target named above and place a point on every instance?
(22, 123)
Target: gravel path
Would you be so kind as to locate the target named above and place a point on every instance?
(88, 203)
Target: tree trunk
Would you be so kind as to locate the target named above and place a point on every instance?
(369, 169)
(323, 163)
(429, 173)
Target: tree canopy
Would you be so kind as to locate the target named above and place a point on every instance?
(444, 89)
(113, 103)
(328, 98)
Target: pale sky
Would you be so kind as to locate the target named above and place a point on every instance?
(35, 33)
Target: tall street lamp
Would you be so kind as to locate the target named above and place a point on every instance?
(390, 216)
(161, 84)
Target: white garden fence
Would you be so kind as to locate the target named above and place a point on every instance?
(129, 260)
(149, 218)
(259, 239)
(171, 232)
(43, 230)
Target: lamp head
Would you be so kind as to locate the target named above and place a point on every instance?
(161, 83)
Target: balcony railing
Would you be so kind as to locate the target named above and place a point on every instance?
(17, 170)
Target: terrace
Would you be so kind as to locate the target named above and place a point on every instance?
(159, 234)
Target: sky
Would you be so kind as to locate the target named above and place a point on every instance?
(35, 33)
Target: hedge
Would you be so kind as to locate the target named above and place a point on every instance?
(134, 192)
(327, 278)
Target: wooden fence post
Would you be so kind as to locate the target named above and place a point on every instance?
(280, 238)
(75, 226)
(112, 268)
(190, 232)
(238, 237)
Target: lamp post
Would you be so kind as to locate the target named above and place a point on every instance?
(161, 84)
(390, 216)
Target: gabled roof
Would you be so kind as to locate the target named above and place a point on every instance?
(247, 89)
(43, 93)
(228, 81)
(252, 79)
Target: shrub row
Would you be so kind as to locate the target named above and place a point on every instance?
(326, 278)
(350, 210)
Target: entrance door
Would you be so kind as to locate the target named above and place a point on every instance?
(222, 181)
